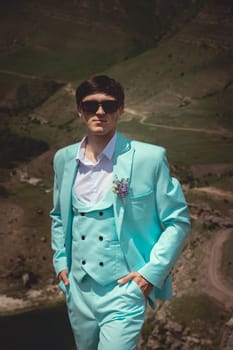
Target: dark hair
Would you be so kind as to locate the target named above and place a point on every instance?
(100, 83)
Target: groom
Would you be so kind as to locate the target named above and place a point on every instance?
(119, 223)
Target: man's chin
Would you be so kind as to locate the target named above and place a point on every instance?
(99, 132)
(102, 132)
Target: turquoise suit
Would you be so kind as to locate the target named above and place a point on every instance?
(151, 224)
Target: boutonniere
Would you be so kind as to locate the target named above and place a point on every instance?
(121, 188)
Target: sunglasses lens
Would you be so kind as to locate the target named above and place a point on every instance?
(91, 106)
(109, 106)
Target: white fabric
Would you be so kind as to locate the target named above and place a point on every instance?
(93, 180)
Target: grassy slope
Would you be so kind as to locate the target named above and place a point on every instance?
(156, 83)
(158, 94)
(55, 45)
(184, 82)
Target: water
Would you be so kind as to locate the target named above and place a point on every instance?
(44, 329)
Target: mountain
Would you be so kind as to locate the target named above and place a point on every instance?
(175, 61)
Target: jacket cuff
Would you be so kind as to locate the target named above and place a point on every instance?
(150, 273)
(60, 265)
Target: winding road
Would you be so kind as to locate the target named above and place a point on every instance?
(142, 119)
(222, 290)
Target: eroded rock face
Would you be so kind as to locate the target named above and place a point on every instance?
(227, 338)
(161, 333)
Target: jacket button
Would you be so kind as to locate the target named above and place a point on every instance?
(83, 262)
(101, 238)
(101, 263)
(83, 237)
(82, 214)
(101, 213)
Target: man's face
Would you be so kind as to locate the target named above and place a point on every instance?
(100, 113)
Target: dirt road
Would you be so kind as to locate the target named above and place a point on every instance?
(142, 119)
(221, 289)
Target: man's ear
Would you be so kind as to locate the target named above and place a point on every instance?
(79, 112)
(121, 110)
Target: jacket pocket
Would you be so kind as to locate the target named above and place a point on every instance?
(64, 289)
(141, 207)
(135, 292)
(141, 196)
(62, 286)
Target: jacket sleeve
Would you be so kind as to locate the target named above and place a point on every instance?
(174, 219)
(57, 230)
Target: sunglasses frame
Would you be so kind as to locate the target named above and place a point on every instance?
(92, 106)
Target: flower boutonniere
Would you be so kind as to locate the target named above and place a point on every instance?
(121, 188)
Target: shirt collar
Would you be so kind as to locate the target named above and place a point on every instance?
(107, 152)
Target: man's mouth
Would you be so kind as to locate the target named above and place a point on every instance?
(100, 121)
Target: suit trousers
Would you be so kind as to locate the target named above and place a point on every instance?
(105, 317)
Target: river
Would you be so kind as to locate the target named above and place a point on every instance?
(43, 329)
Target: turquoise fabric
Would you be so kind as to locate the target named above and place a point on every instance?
(105, 318)
(151, 224)
(96, 249)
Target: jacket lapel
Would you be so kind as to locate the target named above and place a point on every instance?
(123, 160)
(122, 166)
(67, 184)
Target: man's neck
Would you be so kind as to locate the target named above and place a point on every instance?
(95, 144)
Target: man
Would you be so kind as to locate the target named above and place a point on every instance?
(118, 224)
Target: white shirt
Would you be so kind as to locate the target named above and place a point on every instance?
(93, 180)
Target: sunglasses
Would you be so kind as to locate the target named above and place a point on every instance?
(92, 106)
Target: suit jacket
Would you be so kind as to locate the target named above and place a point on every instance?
(151, 224)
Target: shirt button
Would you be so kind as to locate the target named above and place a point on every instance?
(83, 237)
(101, 263)
(101, 213)
(83, 262)
(101, 238)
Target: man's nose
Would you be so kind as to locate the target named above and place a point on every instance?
(100, 110)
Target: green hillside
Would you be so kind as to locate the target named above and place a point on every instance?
(66, 40)
(178, 94)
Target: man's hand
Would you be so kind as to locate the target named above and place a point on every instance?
(63, 277)
(143, 284)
